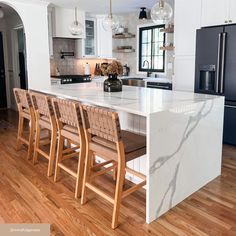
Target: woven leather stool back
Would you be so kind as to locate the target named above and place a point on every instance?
(67, 112)
(22, 98)
(102, 123)
(42, 104)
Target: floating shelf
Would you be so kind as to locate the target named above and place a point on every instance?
(167, 48)
(123, 50)
(168, 30)
(123, 36)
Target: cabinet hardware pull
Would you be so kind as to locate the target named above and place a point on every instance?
(226, 21)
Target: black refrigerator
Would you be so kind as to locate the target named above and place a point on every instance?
(215, 71)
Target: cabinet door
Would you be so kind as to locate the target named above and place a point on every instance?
(186, 23)
(232, 11)
(214, 12)
(50, 33)
(104, 40)
(184, 71)
(63, 18)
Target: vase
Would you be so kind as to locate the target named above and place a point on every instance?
(112, 84)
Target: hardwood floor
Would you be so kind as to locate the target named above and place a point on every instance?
(27, 195)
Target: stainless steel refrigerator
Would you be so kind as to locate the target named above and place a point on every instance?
(215, 71)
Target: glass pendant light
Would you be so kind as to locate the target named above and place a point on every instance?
(76, 28)
(161, 11)
(110, 22)
(1, 13)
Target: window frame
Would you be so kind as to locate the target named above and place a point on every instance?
(141, 29)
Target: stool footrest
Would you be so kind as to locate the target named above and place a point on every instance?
(97, 166)
(68, 150)
(136, 173)
(100, 192)
(103, 171)
(68, 170)
(133, 189)
(44, 154)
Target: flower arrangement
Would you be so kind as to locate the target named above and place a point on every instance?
(114, 68)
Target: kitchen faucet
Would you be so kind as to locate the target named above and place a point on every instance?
(148, 72)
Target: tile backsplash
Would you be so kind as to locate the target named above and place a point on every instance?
(69, 65)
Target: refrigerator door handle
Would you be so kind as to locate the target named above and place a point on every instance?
(230, 106)
(218, 63)
(223, 64)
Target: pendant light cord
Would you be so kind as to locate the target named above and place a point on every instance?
(161, 4)
(111, 8)
(76, 17)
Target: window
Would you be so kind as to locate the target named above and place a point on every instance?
(151, 58)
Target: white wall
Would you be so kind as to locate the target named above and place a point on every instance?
(131, 21)
(34, 18)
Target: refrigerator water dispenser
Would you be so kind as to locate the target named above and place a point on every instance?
(207, 78)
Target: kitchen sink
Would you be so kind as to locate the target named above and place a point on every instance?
(139, 82)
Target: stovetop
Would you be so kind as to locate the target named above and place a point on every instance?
(71, 79)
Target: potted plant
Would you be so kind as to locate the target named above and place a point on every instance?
(113, 84)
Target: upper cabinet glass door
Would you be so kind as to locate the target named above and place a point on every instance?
(90, 40)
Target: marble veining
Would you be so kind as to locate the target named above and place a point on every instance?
(192, 124)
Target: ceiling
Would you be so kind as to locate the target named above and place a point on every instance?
(102, 6)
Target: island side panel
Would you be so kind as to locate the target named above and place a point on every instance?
(137, 124)
(184, 153)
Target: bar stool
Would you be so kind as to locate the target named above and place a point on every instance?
(45, 120)
(26, 112)
(70, 129)
(105, 138)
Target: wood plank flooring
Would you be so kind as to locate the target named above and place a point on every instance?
(27, 195)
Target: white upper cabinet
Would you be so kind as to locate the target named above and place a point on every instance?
(232, 11)
(98, 42)
(62, 19)
(104, 40)
(186, 23)
(87, 47)
(218, 12)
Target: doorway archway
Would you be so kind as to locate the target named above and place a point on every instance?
(13, 66)
(34, 18)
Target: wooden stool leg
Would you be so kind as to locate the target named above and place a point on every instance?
(52, 151)
(89, 155)
(37, 143)
(20, 132)
(80, 172)
(31, 140)
(114, 174)
(119, 185)
(60, 147)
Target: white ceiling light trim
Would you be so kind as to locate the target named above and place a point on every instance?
(161, 11)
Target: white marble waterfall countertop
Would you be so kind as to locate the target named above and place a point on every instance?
(136, 100)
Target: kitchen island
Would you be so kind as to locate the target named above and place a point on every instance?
(184, 137)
